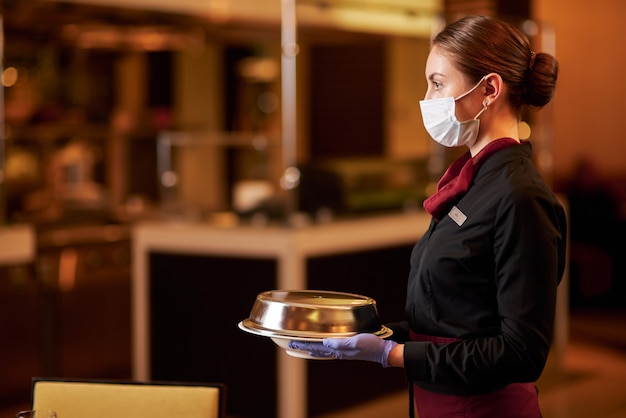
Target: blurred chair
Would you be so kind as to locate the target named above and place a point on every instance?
(113, 398)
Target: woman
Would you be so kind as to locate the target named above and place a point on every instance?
(482, 286)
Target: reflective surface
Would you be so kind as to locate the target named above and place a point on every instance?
(313, 314)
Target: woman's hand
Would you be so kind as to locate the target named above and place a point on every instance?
(366, 347)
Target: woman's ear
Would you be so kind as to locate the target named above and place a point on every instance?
(493, 87)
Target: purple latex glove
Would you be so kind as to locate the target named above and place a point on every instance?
(366, 347)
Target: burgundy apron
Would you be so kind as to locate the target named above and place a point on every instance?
(517, 400)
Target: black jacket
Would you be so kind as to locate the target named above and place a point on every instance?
(491, 282)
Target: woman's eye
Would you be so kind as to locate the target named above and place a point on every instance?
(437, 85)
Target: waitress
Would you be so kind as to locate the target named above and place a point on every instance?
(482, 287)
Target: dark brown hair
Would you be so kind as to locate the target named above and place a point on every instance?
(480, 45)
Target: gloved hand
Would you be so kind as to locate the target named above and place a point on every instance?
(366, 347)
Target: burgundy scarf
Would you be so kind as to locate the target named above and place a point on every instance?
(459, 176)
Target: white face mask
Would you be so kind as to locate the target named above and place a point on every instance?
(441, 123)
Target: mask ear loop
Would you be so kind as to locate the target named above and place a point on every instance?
(485, 104)
(472, 89)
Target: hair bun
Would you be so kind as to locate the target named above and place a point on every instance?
(541, 80)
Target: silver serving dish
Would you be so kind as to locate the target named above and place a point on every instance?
(313, 314)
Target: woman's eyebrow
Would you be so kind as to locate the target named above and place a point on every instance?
(435, 74)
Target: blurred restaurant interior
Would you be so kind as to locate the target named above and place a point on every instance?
(162, 162)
